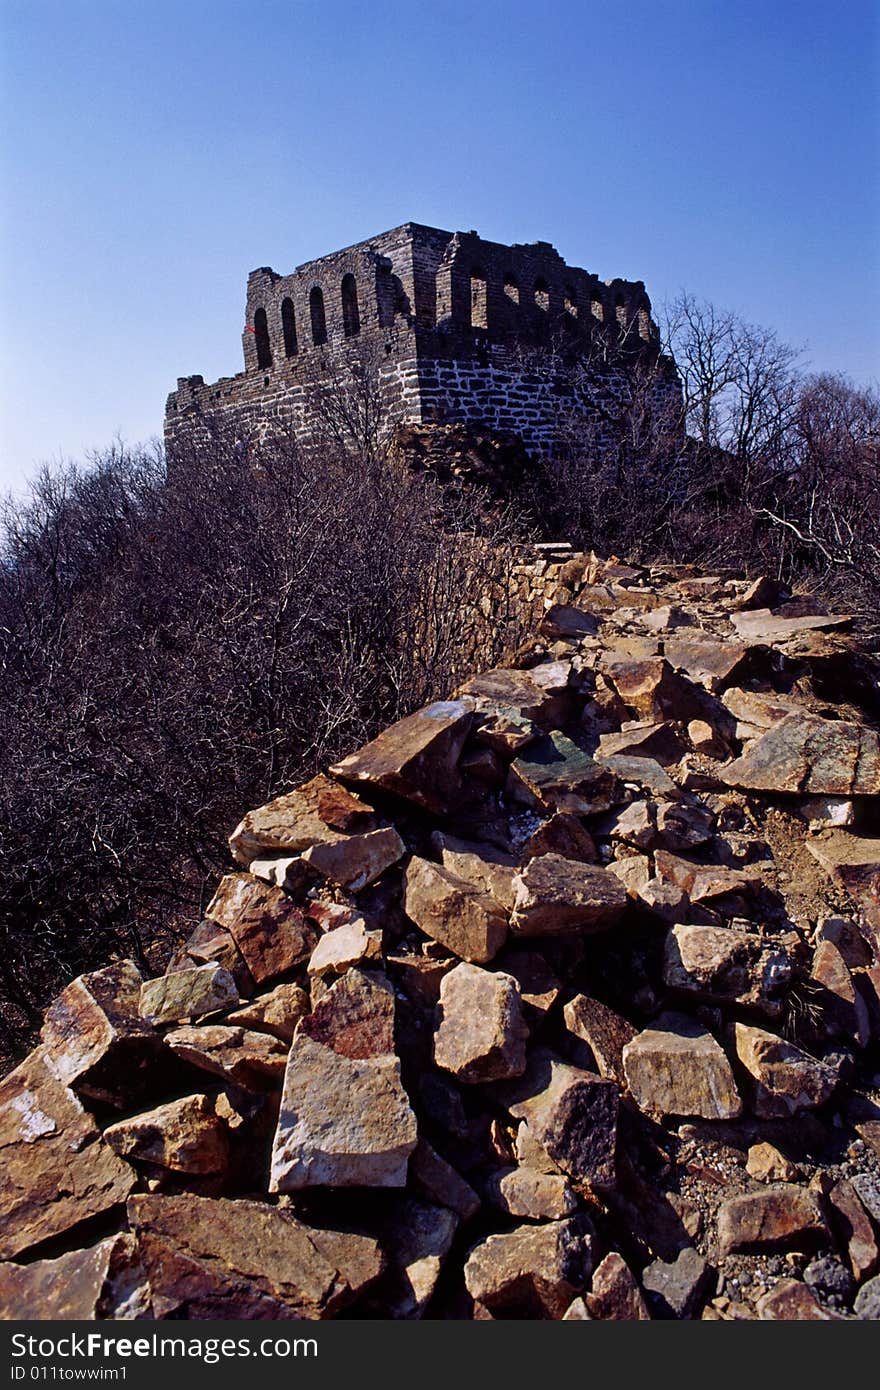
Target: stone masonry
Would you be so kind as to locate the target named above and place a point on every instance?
(458, 329)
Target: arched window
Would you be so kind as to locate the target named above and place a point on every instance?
(597, 308)
(479, 305)
(511, 290)
(620, 312)
(351, 319)
(645, 324)
(288, 327)
(318, 317)
(542, 295)
(570, 305)
(261, 334)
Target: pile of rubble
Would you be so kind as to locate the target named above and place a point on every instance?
(560, 999)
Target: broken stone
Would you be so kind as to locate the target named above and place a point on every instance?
(277, 1012)
(572, 1115)
(270, 932)
(513, 697)
(634, 872)
(185, 1136)
(249, 1059)
(577, 1311)
(187, 994)
(766, 1164)
(636, 825)
(218, 1259)
(614, 1294)
(106, 1281)
(605, 1033)
(727, 966)
(56, 1171)
(481, 1035)
(779, 1218)
(644, 773)
(563, 620)
(706, 882)
(676, 1067)
(556, 895)
(355, 861)
(435, 1179)
(449, 910)
(532, 1271)
(683, 825)
(345, 1118)
(791, 1301)
(845, 1008)
(856, 1229)
(811, 756)
(483, 866)
(867, 1303)
(785, 1078)
(675, 1287)
(712, 661)
(554, 774)
(538, 986)
(706, 740)
(853, 861)
(661, 742)
(97, 1040)
(212, 943)
(317, 811)
(565, 834)
(415, 1238)
(345, 946)
(417, 758)
(763, 627)
(535, 1196)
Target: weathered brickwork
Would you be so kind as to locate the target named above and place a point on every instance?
(457, 329)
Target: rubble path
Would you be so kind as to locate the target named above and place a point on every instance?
(560, 999)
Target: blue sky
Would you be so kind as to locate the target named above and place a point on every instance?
(156, 152)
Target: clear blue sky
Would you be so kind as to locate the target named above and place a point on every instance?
(155, 151)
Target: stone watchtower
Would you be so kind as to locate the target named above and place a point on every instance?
(456, 326)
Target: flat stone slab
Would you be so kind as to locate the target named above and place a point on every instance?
(676, 1067)
(810, 756)
(417, 758)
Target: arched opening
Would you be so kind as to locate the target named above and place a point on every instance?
(620, 312)
(570, 306)
(542, 295)
(479, 299)
(288, 327)
(317, 315)
(597, 308)
(351, 319)
(511, 290)
(645, 324)
(261, 334)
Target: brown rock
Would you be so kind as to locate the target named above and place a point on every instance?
(187, 994)
(454, 912)
(605, 1033)
(433, 1178)
(791, 1301)
(185, 1135)
(683, 825)
(481, 1035)
(345, 946)
(277, 1012)
(810, 756)
(415, 1238)
(354, 861)
(710, 660)
(779, 1218)
(249, 1059)
(727, 967)
(786, 1079)
(215, 1259)
(564, 620)
(676, 1067)
(345, 1118)
(643, 773)
(676, 1287)
(857, 1231)
(417, 758)
(105, 1281)
(527, 1193)
(55, 1170)
(482, 866)
(844, 1006)
(210, 942)
(565, 834)
(95, 1036)
(554, 774)
(315, 812)
(766, 1164)
(532, 1271)
(572, 1115)
(763, 627)
(556, 895)
(706, 882)
(853, 861)
(661, 741)
(538, 986)
(517, 699)
(270, 932)
(614, 1294)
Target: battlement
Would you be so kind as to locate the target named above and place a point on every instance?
(445, 314)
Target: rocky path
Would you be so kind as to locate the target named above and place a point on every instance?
(561, 999)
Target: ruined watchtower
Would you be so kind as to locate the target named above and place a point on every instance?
(456, 326)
